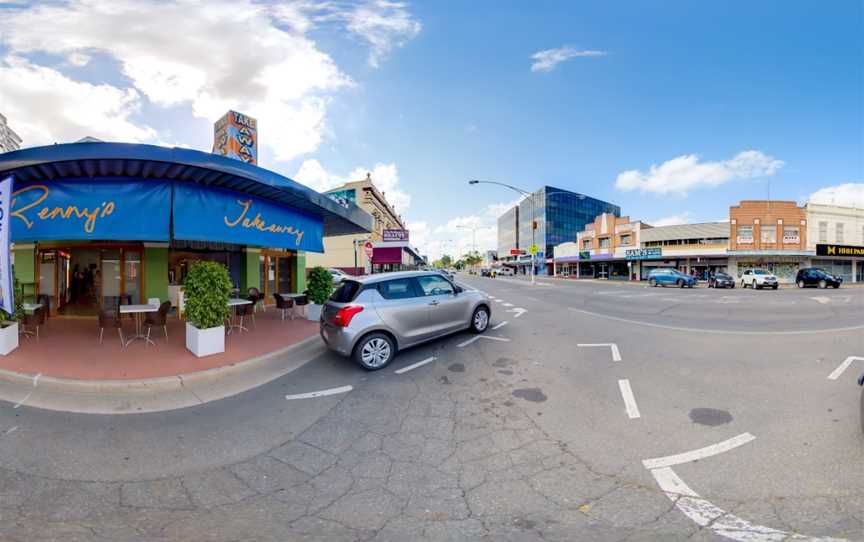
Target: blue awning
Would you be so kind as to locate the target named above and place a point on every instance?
(142, 162)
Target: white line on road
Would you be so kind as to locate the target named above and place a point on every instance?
(21, 402)
(701, 453)
(716, 331)
(508, 304)
(414, 366)
(321, 393)
(496, 300)
(629, 400)
(502, 339)
(36, 379)
(469, 341)
(616, 355)
(842, 367)
(705, 514)
(518, 311)
(12, 430)
(502, 324)
(822, 299)
(478, 337)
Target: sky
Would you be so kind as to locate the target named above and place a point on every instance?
(673, 110)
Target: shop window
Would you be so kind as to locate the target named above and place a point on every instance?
(791, 235)
(586, 244)
(823, 232)
(626, 240)
(769, 236)
(604, 242)
(838, 233)
(745, 235)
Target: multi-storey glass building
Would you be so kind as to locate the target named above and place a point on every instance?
(559, 214)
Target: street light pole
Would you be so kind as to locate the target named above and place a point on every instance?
(533, 218)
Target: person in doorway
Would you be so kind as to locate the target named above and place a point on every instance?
(87, 286)
(97, 285)
(75, 283)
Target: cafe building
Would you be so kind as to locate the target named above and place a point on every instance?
(97, 222)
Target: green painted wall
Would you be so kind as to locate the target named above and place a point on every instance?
(250, 272)
(25, 264)
(156, 273)
(300, 271)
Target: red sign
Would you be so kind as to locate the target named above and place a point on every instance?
(367, 248)
(515, 252)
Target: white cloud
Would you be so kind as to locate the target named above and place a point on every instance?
(548, 59)
(683, 173)
(47, 107)
(683, 218)
(384, 176)
(213, 56)
(844, 195)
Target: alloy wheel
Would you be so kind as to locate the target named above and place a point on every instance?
(481, 320)
(375, 353)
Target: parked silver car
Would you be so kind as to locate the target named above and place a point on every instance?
(371, 318)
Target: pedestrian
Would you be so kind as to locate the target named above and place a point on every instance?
(75, 283)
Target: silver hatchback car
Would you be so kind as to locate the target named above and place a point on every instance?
(373, 317)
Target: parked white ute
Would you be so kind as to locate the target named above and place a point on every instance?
(758, 279)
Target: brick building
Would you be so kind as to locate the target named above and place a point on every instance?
(768, 234)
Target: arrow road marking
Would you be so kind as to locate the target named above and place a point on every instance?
(502, 324)
(478, 337)
(519, 311)
(415, 365)
(321, 393)
(843, 366)
(616, 355)
(701, 453)
(629, 400)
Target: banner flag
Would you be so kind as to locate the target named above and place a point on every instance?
(7, 298)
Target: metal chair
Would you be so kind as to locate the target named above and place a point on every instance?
(284, 305)
(302, 303)
(244, 311)
(111, 318)
(260, 298)
(158, 318)
(32, 322)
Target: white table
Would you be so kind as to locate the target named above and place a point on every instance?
(233, 303)
(138, 311)
(30, 307)
(294, 297)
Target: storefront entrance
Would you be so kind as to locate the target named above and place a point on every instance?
(277, 274)
(77, 280)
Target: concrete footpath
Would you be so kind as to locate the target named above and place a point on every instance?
(155, 394)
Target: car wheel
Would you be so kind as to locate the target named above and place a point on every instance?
(758, 286)
(374, 351)
(775, 286)
(652, 283)
(480, 320)
(732, 286)
(836, 285)
(680, 283)
(800, 283)
(743, 284)
(823, 284)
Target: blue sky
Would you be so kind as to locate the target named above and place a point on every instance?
(428, 95)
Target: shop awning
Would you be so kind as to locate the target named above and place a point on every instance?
(136, 162)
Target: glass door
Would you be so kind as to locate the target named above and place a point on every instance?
(284, 275)
(132, 275)
(110, 277)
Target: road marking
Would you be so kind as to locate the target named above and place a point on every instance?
(519, 311)
(36, 379)
(497, 300)
(616, 355)
(12, 430)
(502, 339)
(629, 400)
(842, 367)
(321, 393)
(469, 341)
(701, 453)
(821, 299)
(21, 402)
(502, 324)
(716, 331)
(414, 366)
(508, 304)
(478, 337)
(705, 514)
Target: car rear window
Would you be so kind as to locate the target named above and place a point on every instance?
(346, 291)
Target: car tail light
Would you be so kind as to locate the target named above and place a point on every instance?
(345, 314)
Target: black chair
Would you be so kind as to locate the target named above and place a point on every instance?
(111, 318)
(45, 299)
(158, 318)
(302, 301)
(258, 297)
(246, 310)
(32, 322)
(284, 305)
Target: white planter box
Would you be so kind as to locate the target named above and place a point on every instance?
(313, 312)
(8, 339)
(205, 342)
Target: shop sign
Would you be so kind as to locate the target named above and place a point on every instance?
(96, 209)
(236, 136)
(745, 240)
(208, 214)
(368, 248)
(344, 197)
(395, 235)
(791, 239)
(839, 250)
(515, 252)
(584, 255)
(7, 298)
(643, 253)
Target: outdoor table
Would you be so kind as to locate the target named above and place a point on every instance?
(233, 304)
(30, 307)
(138, 311)
(294, 297)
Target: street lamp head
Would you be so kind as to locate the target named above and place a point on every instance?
(473, 181)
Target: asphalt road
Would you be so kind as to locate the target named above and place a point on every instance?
(712, 418)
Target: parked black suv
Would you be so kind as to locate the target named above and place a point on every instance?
(721, 280)
(813, 276)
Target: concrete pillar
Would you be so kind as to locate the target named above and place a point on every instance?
(854, 270)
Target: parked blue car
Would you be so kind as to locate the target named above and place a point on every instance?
(671, 277)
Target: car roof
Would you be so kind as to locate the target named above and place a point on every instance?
(378, 277)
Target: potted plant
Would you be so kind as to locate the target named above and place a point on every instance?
(206, 291)
(9, 322)
(320, 286)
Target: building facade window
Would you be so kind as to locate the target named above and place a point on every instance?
(823, 232)
(745, 235)
(838, 233)
(768, 235)
(604, 242)
(586, 244)
(791, 235)
(626, 239)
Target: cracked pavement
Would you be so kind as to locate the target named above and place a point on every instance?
(455, 450)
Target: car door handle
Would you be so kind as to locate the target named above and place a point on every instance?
(433, 302)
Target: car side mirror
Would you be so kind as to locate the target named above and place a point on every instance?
(458, 290)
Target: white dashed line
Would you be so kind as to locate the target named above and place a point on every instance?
(508, 304)
(469, 341)
(629, 400)
(842, 367)
(12, 430)
(21, 402)
(415, 365)
(701, 453)
(705, 514)
(478, 337)
(501, 339)
(517, 311)
(497, 326)
(321, 393)
(616, 355)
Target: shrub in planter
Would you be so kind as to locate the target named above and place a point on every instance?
(9, 323)
(206, 290)
(319, 288)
